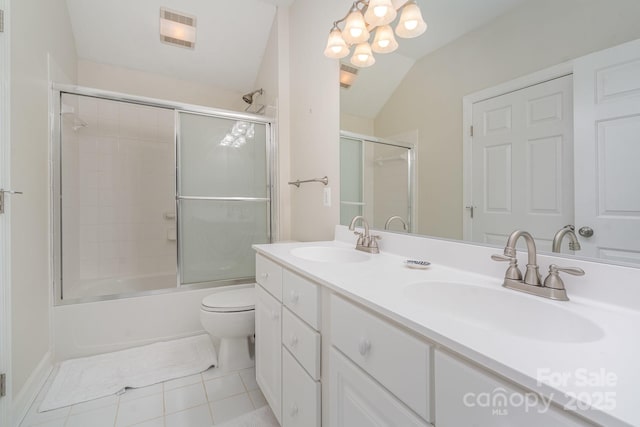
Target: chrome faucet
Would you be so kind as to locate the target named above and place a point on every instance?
(552, 287)
(366, 242)
(396, 217)
(567, 230)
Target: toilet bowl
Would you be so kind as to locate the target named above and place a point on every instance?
(229, 316)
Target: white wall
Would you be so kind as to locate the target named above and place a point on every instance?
(39, 28)
(537, 35)
(361, 125)
(315, 118)
(134, 82)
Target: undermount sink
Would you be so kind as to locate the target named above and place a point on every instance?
(329, 254)
(503, 310)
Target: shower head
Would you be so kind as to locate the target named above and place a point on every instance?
(248, 98)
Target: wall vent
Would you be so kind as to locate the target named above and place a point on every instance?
(177, 28)
(347, 75)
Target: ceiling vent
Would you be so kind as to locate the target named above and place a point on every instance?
(347, 75)
(177, 28)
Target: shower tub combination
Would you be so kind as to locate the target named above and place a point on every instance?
(153, 200)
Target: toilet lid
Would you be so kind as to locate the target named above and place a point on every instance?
(231, 300)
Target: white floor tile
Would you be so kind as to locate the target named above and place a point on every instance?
(156, 422)
(194, 417)
(94, 404)
(34, 417)
(257, 398)
(223, 387)
(232, 407)
(54, 423)
(136, 393)
(249, 378)
(138, 410)
(183, 398)
(212, 373)
(103, 417)
(181, 382)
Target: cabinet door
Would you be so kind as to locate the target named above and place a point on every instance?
(269, 349)
(300, 395)
(467, 396)
(357, 400)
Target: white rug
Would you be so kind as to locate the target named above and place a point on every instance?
(87, 378)
(262, 417)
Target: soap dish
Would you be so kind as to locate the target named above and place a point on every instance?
(412, 263)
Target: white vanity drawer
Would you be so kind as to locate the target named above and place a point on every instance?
(301, 296)
(300, 395)
(399, 361)
(303, 343)
(269, 275)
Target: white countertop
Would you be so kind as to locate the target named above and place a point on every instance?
(379, 284)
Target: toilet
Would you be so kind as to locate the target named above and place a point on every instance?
(229, 316)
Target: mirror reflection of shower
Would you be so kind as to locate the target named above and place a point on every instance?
(249, 98)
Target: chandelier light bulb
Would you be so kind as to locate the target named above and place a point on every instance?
(355, 28)
(336, 46)
(380, 12)
(411, 23)
(362, 56)
(384, 41)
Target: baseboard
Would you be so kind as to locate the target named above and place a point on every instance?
(22, 402)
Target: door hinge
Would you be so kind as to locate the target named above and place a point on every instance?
(3, 385)
(471, 130)
(1, 21)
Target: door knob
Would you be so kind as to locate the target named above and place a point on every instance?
(586, 231)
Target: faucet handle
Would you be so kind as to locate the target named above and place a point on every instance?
(373, 243)
(513, 272)
(554, 281)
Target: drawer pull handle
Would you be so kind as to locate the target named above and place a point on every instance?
(364, 347)
(265, 275)
(294, 297)
(274, 315)
(294, 410)
(293, 341)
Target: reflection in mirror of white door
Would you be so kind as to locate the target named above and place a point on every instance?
(608, 129)
(5, 260)
(522, 163)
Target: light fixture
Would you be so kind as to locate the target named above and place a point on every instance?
(384, 41)
(366, 16)
(362, 56)
(336, 46)
(380, 12)
(411, 23)
(355, 28)
(177, 28)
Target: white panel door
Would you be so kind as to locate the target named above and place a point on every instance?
(269, 349)
(607, 152)
(5, 244)
(522, 163)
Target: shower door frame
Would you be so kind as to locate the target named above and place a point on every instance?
(411, 169)
(56, 181)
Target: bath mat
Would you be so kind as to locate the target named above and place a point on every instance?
(262, 417)
(87, 378)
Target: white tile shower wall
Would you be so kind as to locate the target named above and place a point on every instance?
(125, 183)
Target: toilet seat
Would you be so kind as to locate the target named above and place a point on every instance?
(231, 301)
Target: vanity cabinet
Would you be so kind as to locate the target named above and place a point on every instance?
(268, 349)
(288, 344)
(466, 395)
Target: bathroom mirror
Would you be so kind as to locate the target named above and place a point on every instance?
(478, 51)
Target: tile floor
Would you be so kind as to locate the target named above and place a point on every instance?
(212, 397)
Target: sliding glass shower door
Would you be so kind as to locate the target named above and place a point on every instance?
(223, 197)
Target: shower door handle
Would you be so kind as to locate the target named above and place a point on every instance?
(2, 193)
